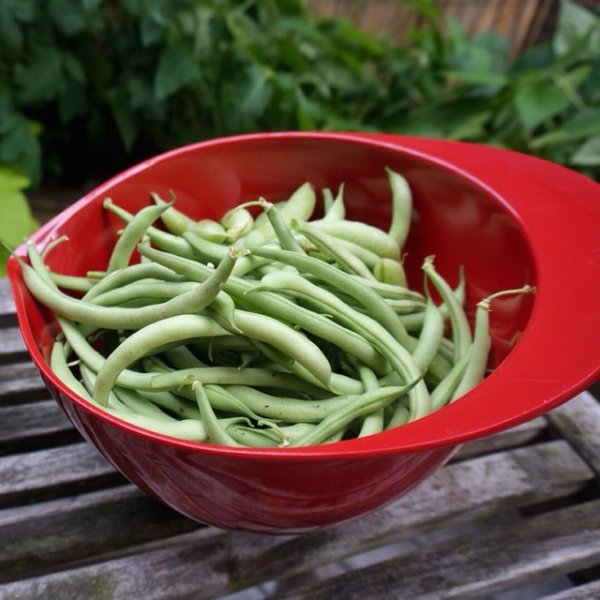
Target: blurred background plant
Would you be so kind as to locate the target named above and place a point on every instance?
(88, 87)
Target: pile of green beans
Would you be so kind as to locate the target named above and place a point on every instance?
(267, 327)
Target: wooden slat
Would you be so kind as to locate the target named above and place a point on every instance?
(230, 561)
(22, 424)
(587, 591)
(69, 530)
(20, 379)
(12, 346)
(52, 472)
(578, 421)
(477, 566)
(516, 436)
(7, 306)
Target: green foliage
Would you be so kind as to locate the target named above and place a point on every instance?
(545, 102)
(89, 86)
(16, 221)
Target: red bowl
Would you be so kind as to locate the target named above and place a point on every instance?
(509, 219)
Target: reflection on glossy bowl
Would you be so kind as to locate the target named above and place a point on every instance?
(507, 218)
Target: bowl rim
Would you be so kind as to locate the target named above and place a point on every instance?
(552, 372)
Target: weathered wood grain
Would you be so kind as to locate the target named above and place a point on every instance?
(20, 381)
(510, 438)
(578, 421)
(11, 345)
(69, 530)
(53, 472)
(24, 424)
(587, 591)
(7, 306)
(479, 566)
(465, 490)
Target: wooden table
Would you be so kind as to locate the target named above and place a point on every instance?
(513, 516)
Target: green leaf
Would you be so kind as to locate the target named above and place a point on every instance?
(10, 30)
(460, 119)
(176, 68)
(91, 5)
(16, 221)
(41, 79)
(124, 117)
(67, 16)
(245, 96)
(479, 77)
(588, 154)
(539, 101)
(19, 145)
(574, 23)
(150, 31)
(73, 67)
(579, 126)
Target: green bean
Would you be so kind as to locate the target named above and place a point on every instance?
(279, 307)
(372, 302)
(390, 271)
(94, 360)
(205, 248)
(181, 357)
(401, 207)
(300, 205)
(365, 235)
(430, 338)
(373, 422)
(398, 357)
(476, 366)
(114, 403)
(174, 380)
(286, 408)
(61, 369)
(185, 429)
(367, 256)
(286, 339)
(173, 219)
(216, 343)
(221, 399)
(37, 265)
(392, 291)
(162, 239)
(132, 234)
(400, 416)
(217, 434)
(461, 331)
(344, 258)
(173, 404)
(337, 383)
(283, 233)
(210, 230)
(139, 404)
(404, 306)
(147, 290)
(281, 436)
(129, 275)
(237, 343)
(72, 282)
(444, 390)
(128, 318)
(147, 339)
(237, 222)
(334, 207)
(356, 407)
